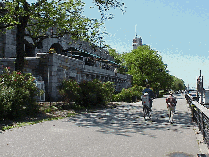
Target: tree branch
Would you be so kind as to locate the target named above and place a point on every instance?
(5, 26)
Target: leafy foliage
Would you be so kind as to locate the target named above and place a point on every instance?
(64, 16)
(70, 90)
(87, 93)
(36, 19)
(108, 90)
(119, 60)
(91, 94)
(177, 84)
(104, 6)
(18, 94)
(146, 66)
(117, 57)
(127, 95)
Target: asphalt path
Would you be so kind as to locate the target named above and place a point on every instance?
(119, 132)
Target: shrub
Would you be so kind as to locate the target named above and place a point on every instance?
(108, 89)
(87, 93)
(127, 95)
(69, 91)
(92, 94)
(161, 93)
(137, 91)
(18, 94)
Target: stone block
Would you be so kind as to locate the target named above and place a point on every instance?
(54, 68)
(53, 79)
(54, 73)
(55, 59)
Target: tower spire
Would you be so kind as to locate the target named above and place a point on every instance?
(136, 41)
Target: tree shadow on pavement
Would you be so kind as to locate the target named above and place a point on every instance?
(128, 118)
(182, 120)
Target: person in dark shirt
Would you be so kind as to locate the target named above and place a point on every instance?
(150, 92)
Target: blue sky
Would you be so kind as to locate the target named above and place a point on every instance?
(178, 29)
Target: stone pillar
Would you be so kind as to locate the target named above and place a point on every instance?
(98, 77)
(87, 77)
(83, 77)
(52, 77)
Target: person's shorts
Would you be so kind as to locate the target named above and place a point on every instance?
(171, 108)
(147, 106)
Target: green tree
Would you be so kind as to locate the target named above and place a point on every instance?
(146, 66)
(117, 57)
(177, 84)
(119, 60)
(35, 20)
(167, 82)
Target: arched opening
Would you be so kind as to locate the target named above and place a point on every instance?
(29, 49)
(58, 48)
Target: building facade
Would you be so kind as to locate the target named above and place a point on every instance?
(76, 60)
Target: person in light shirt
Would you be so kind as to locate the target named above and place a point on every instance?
(171, 105)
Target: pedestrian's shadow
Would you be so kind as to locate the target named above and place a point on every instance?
(128, 118)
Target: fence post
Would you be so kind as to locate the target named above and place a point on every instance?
(199, 122)
(192, 108)
(203, 125)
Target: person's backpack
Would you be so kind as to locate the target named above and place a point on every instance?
(171, 100)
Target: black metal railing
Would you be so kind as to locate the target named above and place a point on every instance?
(200, 115)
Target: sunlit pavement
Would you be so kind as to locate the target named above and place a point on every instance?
(121, 131)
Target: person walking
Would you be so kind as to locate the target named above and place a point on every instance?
(171, 105)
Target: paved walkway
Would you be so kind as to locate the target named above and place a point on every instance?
(119, 132)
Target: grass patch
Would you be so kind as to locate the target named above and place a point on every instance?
(161, 93)
(21, 124)
(71, 114)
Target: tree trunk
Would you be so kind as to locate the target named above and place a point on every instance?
(19, 64)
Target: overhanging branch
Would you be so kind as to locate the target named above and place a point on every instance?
(8, 25)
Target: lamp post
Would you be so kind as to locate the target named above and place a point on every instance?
(200, 88)
(202, 91)
(49, 93)
(100, 38)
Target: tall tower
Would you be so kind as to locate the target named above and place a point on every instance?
(137, 42)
